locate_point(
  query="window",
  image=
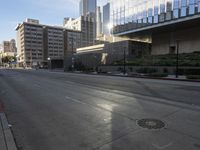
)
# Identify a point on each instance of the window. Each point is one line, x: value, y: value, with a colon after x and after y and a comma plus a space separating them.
x: 176, y: 13
x: 183, y: 11
x: 176, y: 9
x: 155, y: 19
x: 199, y: 6
x: 191, y: 7
x: 162, y: 6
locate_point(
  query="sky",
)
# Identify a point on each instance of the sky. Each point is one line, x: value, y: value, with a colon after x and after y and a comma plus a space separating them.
x: 49, y: 12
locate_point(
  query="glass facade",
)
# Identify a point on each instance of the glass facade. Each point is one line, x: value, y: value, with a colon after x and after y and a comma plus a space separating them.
x: 140, y: 13
x: 198, y: 6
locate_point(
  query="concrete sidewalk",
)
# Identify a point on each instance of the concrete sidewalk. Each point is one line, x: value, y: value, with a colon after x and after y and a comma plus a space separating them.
x: 6, y: 138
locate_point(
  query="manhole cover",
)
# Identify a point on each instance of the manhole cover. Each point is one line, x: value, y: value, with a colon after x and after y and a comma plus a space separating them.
x: 151, y: 123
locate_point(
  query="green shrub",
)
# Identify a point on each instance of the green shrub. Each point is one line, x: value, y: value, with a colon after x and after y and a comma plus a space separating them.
x: 194, y: 77
x: 158, y: 75
x: 146, y: 70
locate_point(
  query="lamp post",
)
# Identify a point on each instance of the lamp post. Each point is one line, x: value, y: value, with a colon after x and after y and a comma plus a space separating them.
x: 124, y: 61
x: 72, y: 44
x: 177, y: 58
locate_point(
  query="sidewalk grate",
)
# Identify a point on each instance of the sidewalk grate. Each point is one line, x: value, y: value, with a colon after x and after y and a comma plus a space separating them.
x: 151, y: 124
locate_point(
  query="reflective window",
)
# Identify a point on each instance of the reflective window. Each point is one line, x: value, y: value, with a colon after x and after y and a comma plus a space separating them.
x: 199, y: 6
x: 183, y: 11
x: 150, y: 20
x: 155, y: 19
x: 169, y: 6
x: 183, y: 3
x: 176, y: 4
x: 176, y: 13
x: 162, y: 6
x: 191, y: 9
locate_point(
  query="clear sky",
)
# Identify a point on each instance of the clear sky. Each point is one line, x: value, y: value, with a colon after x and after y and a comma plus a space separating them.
x: 47, y: 11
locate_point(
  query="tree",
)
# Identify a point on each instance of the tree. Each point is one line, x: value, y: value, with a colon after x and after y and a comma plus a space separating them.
x: 9, y: 59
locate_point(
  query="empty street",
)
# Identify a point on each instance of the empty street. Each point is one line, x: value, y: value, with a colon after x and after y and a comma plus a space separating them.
x: 67, y: 111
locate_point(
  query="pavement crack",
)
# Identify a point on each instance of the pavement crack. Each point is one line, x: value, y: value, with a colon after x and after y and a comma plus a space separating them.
x: 172, y: 113
x: 117, y: 138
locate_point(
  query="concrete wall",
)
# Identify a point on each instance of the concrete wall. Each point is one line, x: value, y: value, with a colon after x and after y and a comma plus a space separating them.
x: 189, y: 41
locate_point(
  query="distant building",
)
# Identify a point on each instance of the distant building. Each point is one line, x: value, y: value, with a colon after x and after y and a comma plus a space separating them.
x: 87, y: 6
x: 9, y: 48
x: 87, y: 27
x: 37, y: 43
x: 106, y: 19
x: 1, y: 48
x: 99, y: 21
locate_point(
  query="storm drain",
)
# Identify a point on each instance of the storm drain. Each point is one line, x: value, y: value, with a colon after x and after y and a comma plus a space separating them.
x: 151, y: 124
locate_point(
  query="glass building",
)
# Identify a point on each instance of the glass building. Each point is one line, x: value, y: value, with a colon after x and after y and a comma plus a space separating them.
x: 87, y: 6
x: 106, y: 19
x: 131, y: 14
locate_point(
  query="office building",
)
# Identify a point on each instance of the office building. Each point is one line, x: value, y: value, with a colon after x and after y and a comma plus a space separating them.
x: 38, y: 44
x: 165, y: 23
x: 87, y: 27
x: 106, y: 19
x: 30, y: 43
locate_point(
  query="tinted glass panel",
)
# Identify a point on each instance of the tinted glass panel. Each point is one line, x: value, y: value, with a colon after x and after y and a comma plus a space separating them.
x: 183, y: 11
x: 199, y: 6
x: 150, y: 20
x: 191, y: 9
x: 155, y: 19
x: 176, y: 13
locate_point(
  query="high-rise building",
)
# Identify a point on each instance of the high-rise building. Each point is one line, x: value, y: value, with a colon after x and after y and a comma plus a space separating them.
x: 87, y: 6
x: 99, y: 21
x: 106, y: 19
x: 37, y: 43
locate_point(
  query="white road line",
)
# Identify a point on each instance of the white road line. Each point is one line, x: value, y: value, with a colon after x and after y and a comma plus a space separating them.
x: 163, y: 146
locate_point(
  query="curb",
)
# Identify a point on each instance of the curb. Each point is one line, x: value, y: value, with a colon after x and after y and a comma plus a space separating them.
x: 141, y: 77
x: 7, y: 141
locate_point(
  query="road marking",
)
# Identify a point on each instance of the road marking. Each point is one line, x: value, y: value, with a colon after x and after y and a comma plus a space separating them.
x: 37, y: 85
x: 162, y: 147
x: 75, y: 100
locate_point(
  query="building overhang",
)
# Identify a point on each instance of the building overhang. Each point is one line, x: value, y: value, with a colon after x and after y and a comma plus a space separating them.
x: 173, y: 25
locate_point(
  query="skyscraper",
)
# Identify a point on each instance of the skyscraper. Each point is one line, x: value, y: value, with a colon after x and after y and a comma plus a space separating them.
x: 106, y: 18
x: 87, y: 6
x: 99, y: 21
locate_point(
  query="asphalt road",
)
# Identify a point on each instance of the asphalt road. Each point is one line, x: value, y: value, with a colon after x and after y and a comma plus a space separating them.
x: 65, y: 111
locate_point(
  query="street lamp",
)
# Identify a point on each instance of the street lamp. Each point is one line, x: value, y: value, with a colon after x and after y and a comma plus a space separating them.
x: 72, y: 44
x: 49, y: 61
x: 124, y: 61
x: 177, y: 58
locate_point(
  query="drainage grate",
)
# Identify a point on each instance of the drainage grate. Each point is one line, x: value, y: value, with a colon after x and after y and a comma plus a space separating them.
x: 151, y: 123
